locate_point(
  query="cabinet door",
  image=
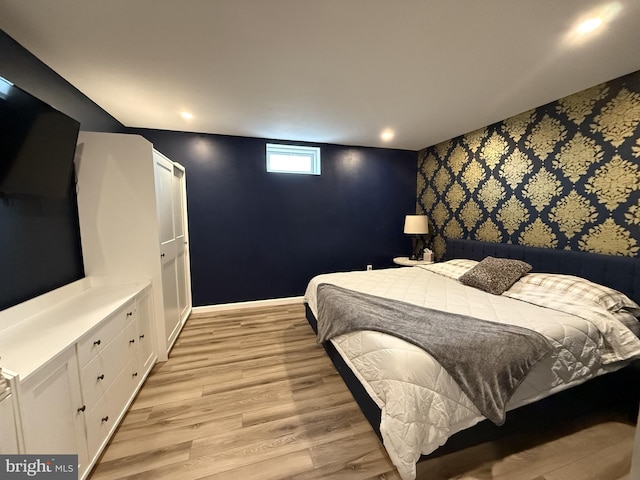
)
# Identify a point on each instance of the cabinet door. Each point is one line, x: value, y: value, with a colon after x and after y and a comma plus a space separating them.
x: 9, y: 437
x: 146, y: 335
x: 164, y: 201
x: 52, y: 410
x: 182, y: 248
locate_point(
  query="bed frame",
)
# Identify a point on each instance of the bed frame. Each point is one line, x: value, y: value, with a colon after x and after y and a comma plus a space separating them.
x: 615, y: 389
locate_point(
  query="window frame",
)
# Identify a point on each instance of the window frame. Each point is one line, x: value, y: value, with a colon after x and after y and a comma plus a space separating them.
x: 312, y: 153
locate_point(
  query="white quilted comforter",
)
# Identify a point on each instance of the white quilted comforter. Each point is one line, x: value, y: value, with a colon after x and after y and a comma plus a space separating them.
x: 421, y: 404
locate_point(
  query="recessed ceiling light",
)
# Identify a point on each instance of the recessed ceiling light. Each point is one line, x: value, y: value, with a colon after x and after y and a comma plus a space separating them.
x: 590, y: 25
x: 387, y: 135
x: 186, y: 115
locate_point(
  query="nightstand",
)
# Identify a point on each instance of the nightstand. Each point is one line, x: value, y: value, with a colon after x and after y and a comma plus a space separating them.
x: 404, y: 261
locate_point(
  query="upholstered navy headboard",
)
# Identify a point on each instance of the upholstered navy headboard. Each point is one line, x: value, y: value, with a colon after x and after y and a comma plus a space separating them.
x: 621, y: 273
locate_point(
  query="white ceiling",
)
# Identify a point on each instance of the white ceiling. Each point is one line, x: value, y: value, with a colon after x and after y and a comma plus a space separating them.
x: 335, y: 71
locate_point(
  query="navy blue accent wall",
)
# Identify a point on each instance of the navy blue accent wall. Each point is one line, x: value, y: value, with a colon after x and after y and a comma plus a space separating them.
x: 257, y: 235
x: 40, y: 246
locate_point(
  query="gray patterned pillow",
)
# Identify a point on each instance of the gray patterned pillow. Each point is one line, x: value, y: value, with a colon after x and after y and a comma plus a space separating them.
x: 495, y: 275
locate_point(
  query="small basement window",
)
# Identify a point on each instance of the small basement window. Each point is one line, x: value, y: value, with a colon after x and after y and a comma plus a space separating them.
x: 293, y: 159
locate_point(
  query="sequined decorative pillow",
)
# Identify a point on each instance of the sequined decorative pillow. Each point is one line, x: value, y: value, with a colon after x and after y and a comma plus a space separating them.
x: 495, y: 275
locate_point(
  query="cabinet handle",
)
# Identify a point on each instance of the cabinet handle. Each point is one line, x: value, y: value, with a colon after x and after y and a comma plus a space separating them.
x: 129, y: 314
x: 133, y: 340
x: 82, y: 408
x: 162, y: 255
x: 105, y: 419
x: 101, y: 377
x: 141, y: 336
x: 135, y: 374
x: 97, y: 342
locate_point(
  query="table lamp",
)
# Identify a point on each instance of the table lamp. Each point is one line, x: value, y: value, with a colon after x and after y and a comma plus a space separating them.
x: 417, y: 226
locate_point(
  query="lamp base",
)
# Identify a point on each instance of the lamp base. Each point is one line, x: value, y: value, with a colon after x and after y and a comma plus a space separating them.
x: 416, y: 248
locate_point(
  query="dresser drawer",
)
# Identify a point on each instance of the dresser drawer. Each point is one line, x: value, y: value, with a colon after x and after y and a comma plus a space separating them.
x: 97, y: 339
x: 100, y: 373
x: 100, y: 421
x: 104, y: 416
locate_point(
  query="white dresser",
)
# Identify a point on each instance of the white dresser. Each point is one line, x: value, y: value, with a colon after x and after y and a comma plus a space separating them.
x: 80, y: 353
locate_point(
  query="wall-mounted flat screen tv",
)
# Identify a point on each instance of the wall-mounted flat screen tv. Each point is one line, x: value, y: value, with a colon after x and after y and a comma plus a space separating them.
x: 37, y: 145
x: 40, y: 247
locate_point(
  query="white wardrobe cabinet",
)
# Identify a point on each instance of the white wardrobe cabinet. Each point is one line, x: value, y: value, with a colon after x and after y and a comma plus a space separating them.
x: 133, y: 221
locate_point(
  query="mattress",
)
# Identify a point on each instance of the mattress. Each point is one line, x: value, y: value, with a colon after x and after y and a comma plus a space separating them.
x: 421, y: 405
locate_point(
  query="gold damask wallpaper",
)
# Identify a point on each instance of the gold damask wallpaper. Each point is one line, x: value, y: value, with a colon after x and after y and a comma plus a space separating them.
x: 564, y: 176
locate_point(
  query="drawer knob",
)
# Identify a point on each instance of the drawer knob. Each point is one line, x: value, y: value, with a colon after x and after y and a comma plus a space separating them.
x: 97, y: 342
x: 141, y: 336
x: 135, y: 374
x: 129, y: 314
x: 82, y: 408
x: 105, y: 419
x: 101, y: 377
x: 133, y: 340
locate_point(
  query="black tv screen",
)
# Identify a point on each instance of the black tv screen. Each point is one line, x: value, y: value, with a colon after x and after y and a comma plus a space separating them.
x: 37, y: 145
x: 40, y: 248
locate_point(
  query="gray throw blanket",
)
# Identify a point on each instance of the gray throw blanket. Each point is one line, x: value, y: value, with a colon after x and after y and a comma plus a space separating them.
x: 488, y: 360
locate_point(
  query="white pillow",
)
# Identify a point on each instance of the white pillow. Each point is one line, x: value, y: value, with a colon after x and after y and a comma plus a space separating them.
x: 608, y: 298
x: 451, y: 268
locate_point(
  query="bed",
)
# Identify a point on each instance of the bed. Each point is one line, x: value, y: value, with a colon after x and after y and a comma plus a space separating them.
x: 422, y: 406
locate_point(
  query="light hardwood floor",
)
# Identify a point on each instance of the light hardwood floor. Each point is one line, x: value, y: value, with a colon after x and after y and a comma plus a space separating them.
x: 247, y: 394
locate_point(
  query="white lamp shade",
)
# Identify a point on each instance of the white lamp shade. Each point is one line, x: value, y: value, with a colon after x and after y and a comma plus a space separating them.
x: 416, y: 225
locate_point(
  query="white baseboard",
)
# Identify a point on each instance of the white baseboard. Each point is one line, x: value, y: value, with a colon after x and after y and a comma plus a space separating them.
x: 272, y: 302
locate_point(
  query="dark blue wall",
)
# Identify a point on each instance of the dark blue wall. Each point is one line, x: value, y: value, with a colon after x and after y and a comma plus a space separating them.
x: 257, y: 235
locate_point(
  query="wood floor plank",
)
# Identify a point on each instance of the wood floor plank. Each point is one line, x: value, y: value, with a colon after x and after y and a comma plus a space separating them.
x: 285, y: 409
x: 267, y: 441
x: 344, y: 450
x: 275, y: 468
x: 248, y: 394
x: 566, y: 450
x: 302, y: 378
x: 122, y: 467
x: 189, y: 416
x: 314, y: 423
x: 201, y: 467
x: 136, y: 416
x: 123, y: 447
x: 533, y: 457
x: 147, y: 398
x: 363, y: 468
x: 613, y: 461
